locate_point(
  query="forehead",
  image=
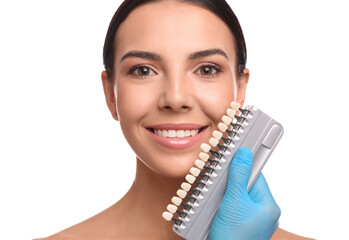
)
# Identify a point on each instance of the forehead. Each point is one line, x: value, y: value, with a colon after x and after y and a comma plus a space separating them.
x: 169, y: 27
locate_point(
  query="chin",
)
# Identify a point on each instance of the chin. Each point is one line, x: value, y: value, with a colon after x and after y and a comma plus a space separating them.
x: 175, y: 172
x: 173, y: 168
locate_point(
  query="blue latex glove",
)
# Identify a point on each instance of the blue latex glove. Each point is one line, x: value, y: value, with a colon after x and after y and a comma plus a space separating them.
x: 244, y: 215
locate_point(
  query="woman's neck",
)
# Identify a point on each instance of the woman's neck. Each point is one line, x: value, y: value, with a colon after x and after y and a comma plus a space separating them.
x: 148, y: 198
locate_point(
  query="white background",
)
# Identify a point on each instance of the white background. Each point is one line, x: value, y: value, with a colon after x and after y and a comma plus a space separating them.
x: 63, y: 158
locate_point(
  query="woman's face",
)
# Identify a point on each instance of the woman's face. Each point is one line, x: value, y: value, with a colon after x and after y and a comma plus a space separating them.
x: 174, y: 77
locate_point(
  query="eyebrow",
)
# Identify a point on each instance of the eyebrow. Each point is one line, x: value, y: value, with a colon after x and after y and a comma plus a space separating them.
x: 142, y: 54
x: 208, y: 52
x: 157, y: 57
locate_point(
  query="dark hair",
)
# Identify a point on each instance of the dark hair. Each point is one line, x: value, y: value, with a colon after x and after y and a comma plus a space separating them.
x: 220, y: 7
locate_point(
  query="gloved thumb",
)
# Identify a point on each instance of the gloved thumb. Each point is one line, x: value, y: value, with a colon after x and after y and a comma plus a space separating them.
x: 240, y: 170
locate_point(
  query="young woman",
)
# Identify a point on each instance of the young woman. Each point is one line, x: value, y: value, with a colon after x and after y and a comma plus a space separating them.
x: 172, y: 69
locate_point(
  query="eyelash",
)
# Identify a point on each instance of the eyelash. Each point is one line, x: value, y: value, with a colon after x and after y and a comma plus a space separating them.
x: 133, y: 69
x: 216, y: 68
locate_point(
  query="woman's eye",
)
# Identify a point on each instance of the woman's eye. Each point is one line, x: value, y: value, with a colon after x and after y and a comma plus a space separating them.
x: 208, y: 70
x: 142, y: 71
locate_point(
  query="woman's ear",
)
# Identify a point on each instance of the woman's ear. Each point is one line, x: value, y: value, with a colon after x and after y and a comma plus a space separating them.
x: 241, y: 87
x: 110, y: 98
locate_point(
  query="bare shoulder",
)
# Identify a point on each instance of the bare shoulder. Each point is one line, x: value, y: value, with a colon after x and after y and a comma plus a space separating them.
x: 80, y: 231
x: 99, y: 227
x: 72, y: 233
x: 281, y: 234
x: 53, y: 237
x: 63, y: 236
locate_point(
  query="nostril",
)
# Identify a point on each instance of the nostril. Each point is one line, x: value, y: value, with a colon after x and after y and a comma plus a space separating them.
x: 171, y: 108
x: 176, y: 100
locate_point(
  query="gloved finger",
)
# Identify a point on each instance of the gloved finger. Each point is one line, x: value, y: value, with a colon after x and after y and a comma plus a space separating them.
x: 260, y: 194
x: 260, y: 191
x: 240, y: 170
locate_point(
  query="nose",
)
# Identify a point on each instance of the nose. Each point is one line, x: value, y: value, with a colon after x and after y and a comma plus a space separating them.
x: 177, y: 93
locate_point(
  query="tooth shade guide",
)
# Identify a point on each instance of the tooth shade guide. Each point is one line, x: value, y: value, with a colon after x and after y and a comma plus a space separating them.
x: 195, y: 171
x: 185, y: 207
x: 205, y: 147
x: 217, y: 134
x: 201, y: 175
x: 176, y: 201
x: 190, y: 178
x: 231, y: 113
x: 185, y: 186
x: 172, y: 208
x: 199, y: 206
x: 201, y: 180
x: 226, y: 120
x: 222, y: 127
x: 199, y: 163
x: 181, y: 214
x: 181, y: 193
x: 167, y: 216
x: 203, y: 156
x: 213, y: 142
x: 199, y: 185
x: 235, y: 106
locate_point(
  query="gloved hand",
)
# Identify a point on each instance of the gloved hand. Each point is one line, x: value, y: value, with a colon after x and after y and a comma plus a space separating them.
x: 244, y: 215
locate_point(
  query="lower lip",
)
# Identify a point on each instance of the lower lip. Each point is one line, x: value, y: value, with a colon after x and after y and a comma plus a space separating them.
x: 179, y: 143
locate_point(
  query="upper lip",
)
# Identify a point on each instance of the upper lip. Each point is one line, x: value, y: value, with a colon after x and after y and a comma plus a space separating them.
x: 177, y: 126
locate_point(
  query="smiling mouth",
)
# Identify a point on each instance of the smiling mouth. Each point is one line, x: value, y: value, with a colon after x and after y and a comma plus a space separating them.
x: 176, y: 134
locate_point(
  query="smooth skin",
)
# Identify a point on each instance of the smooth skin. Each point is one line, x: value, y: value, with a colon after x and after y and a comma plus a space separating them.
x: 170, y: 88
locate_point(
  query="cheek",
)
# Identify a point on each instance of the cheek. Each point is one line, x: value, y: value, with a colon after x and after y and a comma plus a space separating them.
x: 133, y: 101
x: 216, y: 98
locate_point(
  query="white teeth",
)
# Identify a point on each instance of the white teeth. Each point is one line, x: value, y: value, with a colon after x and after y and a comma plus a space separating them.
x: 203, y: 156
x: 190, y: 178
x: 234, y: 105
x: 176, y: 133
x: 171, y: 133
x: 172, y: 208
x: 205, y: 147
x: 181, y: 193
x: 176, y: 201
x: 167, y: 216
x: 213, y: 142
x: 222, y: 127
x: 227, y: 120
x: 185, y: 186
x: 231, y: 113
x: 180, y: 133
x: 195, y: 171
x: 217, y: 134
x: 199, y: 163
